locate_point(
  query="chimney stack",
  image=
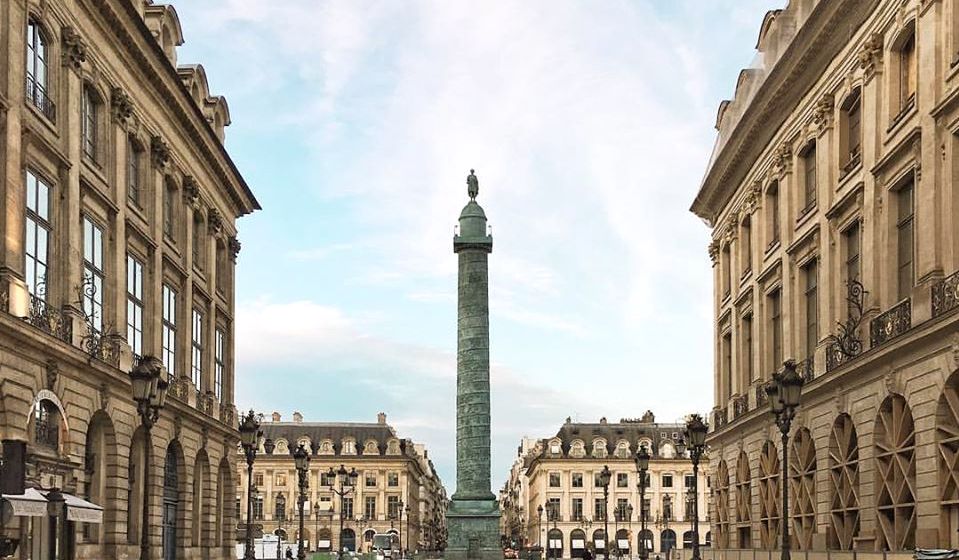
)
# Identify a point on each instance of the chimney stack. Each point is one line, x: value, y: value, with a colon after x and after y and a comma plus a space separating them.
x: 381, y: 418
x: 297, y: 417
x: 602, y: 420
x: 276, y: 416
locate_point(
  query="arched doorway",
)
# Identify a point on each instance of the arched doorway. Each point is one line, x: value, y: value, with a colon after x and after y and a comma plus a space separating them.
x: 645, y: 541
x: 554, y: 539
x: 171, y: 502
x: 324, y: 540
x: 368, y: 539
x: 577, y: 543
x: 348, y: 540
x: 708, y: 542
x: 895, y: 448
x: 622, y: 542
x: 101, y: 469
x: 688, y: 539
x: 667, y: 541
x: 599, y: 541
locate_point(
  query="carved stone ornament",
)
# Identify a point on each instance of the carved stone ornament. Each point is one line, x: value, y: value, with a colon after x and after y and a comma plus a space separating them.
x: 870, y: 57
x: 714, y: 251
x: 917, y: 157
x: 74, y: 50
x: 191, y: 191
x: 121, y: 104
x: 234, y: 246
x: 891, y: 381
x: 751, y: 201
x: 729, y: 234
x: 822, y: 116
x: 5, y: 298
x: 782, y: 160
x: 52, y: 373
x: 159, y: 151
x: 177, y: 426
x: 214, y: 222
x: 841, y: 401
x: 104, y: 396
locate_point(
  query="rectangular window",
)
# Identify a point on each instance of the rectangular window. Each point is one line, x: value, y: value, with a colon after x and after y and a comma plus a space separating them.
x: 347, y: 507
x: 905, y: 226
x: 772, y: 196
x: 133, y: 172
x: 554, y: 480
x: 37, y: 235
x: 197, y: 245
x: 747, y: 335
x: 258, y: 508
x: 169, y: 211
x: 688, y: 480
x: 809, y: 177
x: 621, y: 512
x: 907, y: 72
x: 393, y: 479
x: 747, y: 245
x: 552, y: 509
x: 577, y: 479
x: 326, y: 479
x: 258, y: 479
x: 370, y: 508
x: 597, y: 480
x: 667, y: 481
x: 852, y: 249
x: 811, y: 275
x: 854, y: 127
x: 135, y: 304
x: 196, y: 350
x: 776, y: 328
x: 169, y: 330
x: 393, y: 507
x: 370, y: 479
x: 577, y: 509
x: 88, y: 123
x: 726, y: 270
x: 93, y: 274
x: 36, y: 65
x: 599, y: 509
x: 727, y: 363
x: 622, y: 480
x: 219, y: 365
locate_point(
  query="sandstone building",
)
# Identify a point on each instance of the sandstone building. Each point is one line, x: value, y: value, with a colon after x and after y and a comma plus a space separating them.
x: 833, y: 197
x: 118, y: 214
x: 560, y: 474
x: 396, y: 489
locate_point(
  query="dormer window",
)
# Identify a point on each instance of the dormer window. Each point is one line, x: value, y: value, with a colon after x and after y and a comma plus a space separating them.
x: 555, y: 448
x: 349, y: 447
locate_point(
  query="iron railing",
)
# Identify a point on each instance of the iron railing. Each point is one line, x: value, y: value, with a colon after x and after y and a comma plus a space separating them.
x: 807, y: 369
x: 890, y: 324
x: 720, y: 418
x: 49, y: 319
x: 945, y: 295
x: 740, y: 406
x: 762, y: 399
x: 46, y: 432
x: 37, y: 96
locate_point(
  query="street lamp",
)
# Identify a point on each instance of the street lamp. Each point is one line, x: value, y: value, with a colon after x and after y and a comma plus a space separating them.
x: 642, y: 467
x: 249, y: 438
x: 398, y: 512
x: 149, y: 392
x: 302, y: 461
x: 407, y: 509
x: 539, y: 524
x: 341, y: 475
x: 784, y: 391
x: 629, y: 522
x: 604, y: 476
x: 696, y: 436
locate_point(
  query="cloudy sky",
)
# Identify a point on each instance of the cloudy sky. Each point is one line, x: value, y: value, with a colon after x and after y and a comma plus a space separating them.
x: 589, y: 124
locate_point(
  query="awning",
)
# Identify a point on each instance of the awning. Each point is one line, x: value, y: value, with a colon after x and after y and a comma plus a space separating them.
x: 81, y: 510
x: 29, y: 504
x: 935, y: 554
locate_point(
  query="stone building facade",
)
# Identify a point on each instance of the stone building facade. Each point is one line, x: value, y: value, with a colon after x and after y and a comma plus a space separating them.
x: 118, y: 214
x: 397, y: 488
x: 833, y: 199
x: 559, y: 474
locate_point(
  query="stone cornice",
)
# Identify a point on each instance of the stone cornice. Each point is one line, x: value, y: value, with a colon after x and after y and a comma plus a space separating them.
x: 132, y: 33
x: 817, y: 43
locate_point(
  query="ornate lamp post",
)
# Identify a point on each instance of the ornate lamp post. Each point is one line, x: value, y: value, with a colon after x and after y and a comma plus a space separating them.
x: 784, y: 391
x: 604, y: 476
x: 149, y: 392
x: 696, y: 437
x: 539, y: 523
x: 302, y: 461
x: 249, y: 438
x: 341, y: 475
x: 407, y: 510
x: 629, y: 521
x: 642, y: 467
x: 393, y: 515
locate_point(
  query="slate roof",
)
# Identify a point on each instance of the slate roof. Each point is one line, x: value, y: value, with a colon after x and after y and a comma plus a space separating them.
x: 336, y: 431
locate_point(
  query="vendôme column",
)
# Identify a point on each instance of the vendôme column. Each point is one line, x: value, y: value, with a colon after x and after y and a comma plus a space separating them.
x: 473, y: 515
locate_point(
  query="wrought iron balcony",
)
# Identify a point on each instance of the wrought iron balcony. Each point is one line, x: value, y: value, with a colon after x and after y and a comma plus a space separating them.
x: 807, y: 369
x: 762, y: 399
x: 719, y: 417
x: 37, y: 96
x: 945, y: 295
x: 890, y: 324
x: 846, y: 343
x: 49, y: 319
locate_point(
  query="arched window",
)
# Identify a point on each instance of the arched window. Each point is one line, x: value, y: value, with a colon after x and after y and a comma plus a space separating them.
x: 947, y: 434
x: 225, y: 493
x: 201, y: 494
x: 895, y: 437
x: 599, y: 448
x: 743, y: 502
x: 802, y: 485
x: 843, y: 484
x: 769, y: 496
x: 667, y: 541
x: 36, y: 93
x: 171, y: 503
x: 722, y: 504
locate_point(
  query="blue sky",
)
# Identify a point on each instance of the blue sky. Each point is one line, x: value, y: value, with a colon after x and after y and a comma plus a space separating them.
x: 589, y: 125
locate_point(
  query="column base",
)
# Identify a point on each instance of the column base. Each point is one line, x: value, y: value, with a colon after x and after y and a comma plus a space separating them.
x: 473, y: 527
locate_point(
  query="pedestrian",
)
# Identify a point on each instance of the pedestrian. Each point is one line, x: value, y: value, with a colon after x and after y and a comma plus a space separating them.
x: 587, y: 555
x: 289, y: 553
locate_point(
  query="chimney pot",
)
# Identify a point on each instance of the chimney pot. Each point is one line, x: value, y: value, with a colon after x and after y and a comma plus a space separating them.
x: 297, y: 417
x: 276, y: 416
x: 381, y: 418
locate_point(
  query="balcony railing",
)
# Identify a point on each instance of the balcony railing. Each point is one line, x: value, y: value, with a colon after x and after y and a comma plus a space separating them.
x: 740, y: 406
x: 719, y: 417
x: 890, y: 324
x: 855, y: 157
x: 806, y: 369
x: 762, y: 399
x: 37, y: 96
x: 945, y: 295
x: 49, y: 319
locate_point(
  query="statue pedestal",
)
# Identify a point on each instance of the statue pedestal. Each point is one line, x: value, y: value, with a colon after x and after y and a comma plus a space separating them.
x: 473, y: 528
